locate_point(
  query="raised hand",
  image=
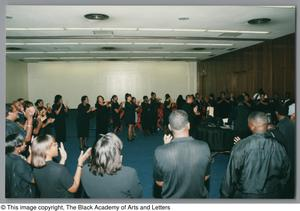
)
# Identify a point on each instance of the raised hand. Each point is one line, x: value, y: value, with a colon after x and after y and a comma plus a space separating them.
x: 236, y: 140
x: 84, y: 156
x: 63, y: 153
x: 168, y: 138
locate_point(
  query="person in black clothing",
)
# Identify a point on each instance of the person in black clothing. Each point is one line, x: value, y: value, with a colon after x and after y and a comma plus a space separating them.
x: 223, y: 106
x: 44, y: 118
x: 146, y: 115
x: 192, y: 110
x: 262, y: 104
x: 105, y: 176
x: 83, y: 121
x: 53, y: 179
x: 288, y: 130
x: 258, y: 166
x: 167, y: 111
x: 60, y: 110
x: 154, y: 104
x: 129, y: 116
x: 180, y: 102
x: 240, y: 118
x: 181, y: 165
x: 247, y: 100
x: 11, y: 127
x: 116, y: 110
x: 19, y: 182
x: 102, y: 116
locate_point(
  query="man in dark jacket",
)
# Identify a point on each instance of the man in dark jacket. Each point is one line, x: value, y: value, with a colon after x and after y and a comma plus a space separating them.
x: 258, y: 166
x: 181, y: 165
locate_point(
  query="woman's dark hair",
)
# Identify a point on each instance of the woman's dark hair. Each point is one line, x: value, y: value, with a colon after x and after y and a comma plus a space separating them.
x: 167, y: 96
x: 106, y: 155
x: 12, y: 141
x: 98, y: 98
x: 145, y: 97
x: 127, y: 95
x: 37, y: 102
x: 83, y: 98
x: 113, y: 97
x: 8, y: 108
x: 57, y: 98
x: 27, y: 104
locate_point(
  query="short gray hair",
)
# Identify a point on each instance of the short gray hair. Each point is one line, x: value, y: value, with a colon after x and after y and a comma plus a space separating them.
x: 106, y: 155
x: 178, y: 120
x: 258, y: 117
x: 39, y: 148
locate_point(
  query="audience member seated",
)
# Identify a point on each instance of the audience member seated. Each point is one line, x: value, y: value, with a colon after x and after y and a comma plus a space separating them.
x: 19, y: 182
x: 181, y: 164
x: 105, y: 176
x: 53, y: 179
x: 258, y: 167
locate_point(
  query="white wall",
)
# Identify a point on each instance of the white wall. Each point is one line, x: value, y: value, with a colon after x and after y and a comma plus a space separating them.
x: 16, y: 80
x: 75, y: 79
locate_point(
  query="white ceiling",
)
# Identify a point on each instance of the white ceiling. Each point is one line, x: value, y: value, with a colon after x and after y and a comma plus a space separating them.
x: 136, y: 31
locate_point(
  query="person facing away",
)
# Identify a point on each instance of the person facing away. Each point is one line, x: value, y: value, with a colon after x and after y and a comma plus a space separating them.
x: 239, y: 117
x: 53, y: 179
x: 105, y: 176
x: 181, y: 165
x: 19, y: 182
x: 258, y: 166
x: 288, y: 130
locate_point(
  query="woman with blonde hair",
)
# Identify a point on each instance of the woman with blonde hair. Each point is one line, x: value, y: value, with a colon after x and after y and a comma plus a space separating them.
x: 105, y: 176
x: 53, y: 179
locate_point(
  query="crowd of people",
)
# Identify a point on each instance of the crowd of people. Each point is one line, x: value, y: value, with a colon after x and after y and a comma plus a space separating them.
x: 261, y: 163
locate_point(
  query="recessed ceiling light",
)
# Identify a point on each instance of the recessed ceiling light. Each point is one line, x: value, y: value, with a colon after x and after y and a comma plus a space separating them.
x: 14, y: 48
x: 259, y: 21
x: 108, y: 48
x: 96, y: 16
x: 183, y: 18
x: 198, y: 49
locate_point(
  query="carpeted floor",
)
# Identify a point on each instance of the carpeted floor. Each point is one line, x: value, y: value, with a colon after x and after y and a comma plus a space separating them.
x: 139, y: 155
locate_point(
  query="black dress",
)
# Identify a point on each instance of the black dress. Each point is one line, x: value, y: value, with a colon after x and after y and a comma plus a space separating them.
x: 167, y: 112
x: 146, y: 116
x: 59, y: 123
x: 83, y: 120
x: 115, y: 115
x: 154, y: 106
x: 102, y: 119
x: 129, y: 117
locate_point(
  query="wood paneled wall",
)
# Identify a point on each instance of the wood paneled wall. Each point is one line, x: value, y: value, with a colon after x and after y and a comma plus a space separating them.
x: 269, y: 65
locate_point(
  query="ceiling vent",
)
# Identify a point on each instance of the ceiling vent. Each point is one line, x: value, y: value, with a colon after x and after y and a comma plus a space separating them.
x: 96, y: 16
x: 257, y: 21
x: 230, y: 34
